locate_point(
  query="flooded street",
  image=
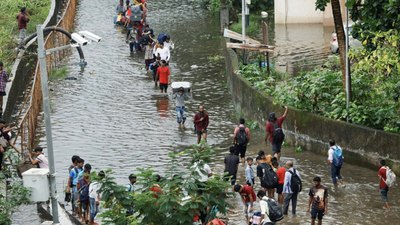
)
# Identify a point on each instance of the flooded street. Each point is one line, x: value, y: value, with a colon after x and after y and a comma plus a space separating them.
x: 113, y: 117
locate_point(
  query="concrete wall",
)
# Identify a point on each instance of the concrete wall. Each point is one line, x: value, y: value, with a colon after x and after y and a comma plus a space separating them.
x: 362, y: 145
x: 303, y: 11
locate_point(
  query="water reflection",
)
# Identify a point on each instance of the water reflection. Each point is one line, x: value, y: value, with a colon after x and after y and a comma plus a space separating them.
x: 162, y: 105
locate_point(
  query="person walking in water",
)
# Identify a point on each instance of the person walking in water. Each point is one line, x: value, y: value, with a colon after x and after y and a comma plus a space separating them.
x: 23, y: 21
x: 241, y: 137
x: 335, y: 159
x: 231, y: 165
x: 274, y: 132
x: 383, y: 187
x: 248, y: 198
x: 201, y: 123
x: 318, y: 201
x: 3, y: 82
x: 163, y: 76
x: 288, y: 192
x: 180, y: 97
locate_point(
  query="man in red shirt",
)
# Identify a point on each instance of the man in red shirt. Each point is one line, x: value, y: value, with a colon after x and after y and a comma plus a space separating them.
x: 272, y: 124
x: 162, y: 75
x: 384, y: 189
x: 23, y: 20
x: 201, y: 123
x: 248, y: 198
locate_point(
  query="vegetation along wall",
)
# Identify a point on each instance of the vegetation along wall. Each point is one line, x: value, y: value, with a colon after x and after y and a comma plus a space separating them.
x: 361, y: 145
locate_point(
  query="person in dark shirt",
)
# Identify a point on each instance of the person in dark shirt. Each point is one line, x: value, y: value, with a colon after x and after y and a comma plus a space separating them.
x: 231, y: 164
x: 201, y: 123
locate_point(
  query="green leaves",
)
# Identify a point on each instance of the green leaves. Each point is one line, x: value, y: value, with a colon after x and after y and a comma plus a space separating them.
x: 17, y: 195
x: 173, y: 200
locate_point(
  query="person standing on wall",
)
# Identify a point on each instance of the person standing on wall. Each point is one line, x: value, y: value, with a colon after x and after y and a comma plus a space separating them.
x: 201, y: 123
x: 275, y: 133
x: 241, y: 137
x: 335, y: 159
x: 3, y: 82
x: 23, y: 21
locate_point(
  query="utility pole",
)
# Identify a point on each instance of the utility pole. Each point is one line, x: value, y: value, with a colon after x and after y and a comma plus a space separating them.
x: 244, y: 29
x: 46, y: 109
x: 348, y: 77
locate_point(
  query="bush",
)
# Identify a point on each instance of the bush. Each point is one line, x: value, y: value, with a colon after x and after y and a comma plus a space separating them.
x: 181, y: 198
x: 375, y: 86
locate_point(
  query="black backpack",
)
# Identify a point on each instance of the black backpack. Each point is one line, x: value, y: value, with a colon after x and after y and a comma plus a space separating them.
x: 274, y: 210
x: 295, y: 182
x: 241, y: 136
x: 278, y: 135
x: 269, y: 179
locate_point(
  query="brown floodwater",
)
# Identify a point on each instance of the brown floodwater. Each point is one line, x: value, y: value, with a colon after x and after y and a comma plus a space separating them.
x: 113, y: 117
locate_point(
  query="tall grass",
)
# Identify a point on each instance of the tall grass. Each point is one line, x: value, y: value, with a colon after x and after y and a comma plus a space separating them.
x: 37, y: 10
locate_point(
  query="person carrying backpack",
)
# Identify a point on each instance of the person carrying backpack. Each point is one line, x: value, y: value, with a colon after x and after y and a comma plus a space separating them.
x: 291, y: 187
x: 383, y: 173
x: 271, y: 212
x: 335, y: 159
x: 72, y: 184
x: 266, y: 174
x: 275, y: 133
x: 84, y: 196
x: 241, y: 137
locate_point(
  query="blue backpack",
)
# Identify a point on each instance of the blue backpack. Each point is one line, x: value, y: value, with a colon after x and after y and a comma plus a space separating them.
x: 84, y: 191
x: 337, y: 156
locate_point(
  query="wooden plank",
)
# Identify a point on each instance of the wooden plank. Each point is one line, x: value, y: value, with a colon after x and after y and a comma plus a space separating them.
x: 252, y: 47
x: 231, y: 34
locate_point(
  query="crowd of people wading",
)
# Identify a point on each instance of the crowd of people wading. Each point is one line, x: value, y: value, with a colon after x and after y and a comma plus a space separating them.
x: 279, y: 183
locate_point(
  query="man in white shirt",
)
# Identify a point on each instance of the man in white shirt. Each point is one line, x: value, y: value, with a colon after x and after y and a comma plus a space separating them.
x: 163, y: 52
x: 94, y: 197
x: 40, y: 159
x: 264, y: 208
x: 203, y: 172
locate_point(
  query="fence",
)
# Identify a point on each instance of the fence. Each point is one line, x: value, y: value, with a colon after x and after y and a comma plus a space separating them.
x: 31, y: 108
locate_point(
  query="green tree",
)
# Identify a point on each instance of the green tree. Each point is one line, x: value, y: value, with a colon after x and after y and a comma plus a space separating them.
x: 373, y: 16
x: 180, y: 195
x: 337, y: 19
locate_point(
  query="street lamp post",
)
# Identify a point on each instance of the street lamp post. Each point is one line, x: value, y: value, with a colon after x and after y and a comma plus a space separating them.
x: 46, y: 109
x: 348, y: 77
x: 80, y: 40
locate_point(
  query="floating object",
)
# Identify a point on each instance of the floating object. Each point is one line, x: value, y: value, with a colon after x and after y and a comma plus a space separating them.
x: 194, y: 66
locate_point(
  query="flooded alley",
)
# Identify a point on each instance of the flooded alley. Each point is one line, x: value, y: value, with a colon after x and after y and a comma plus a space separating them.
x: 113, y: 117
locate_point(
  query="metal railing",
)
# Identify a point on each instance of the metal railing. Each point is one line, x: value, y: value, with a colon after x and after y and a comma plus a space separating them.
x: 30, y: 111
